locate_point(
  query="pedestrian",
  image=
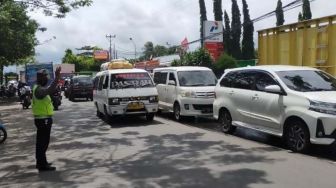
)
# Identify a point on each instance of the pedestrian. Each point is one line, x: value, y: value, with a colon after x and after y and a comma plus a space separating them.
x: 43, y: 111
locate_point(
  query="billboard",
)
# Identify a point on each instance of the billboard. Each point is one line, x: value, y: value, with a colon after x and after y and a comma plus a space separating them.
x: 32, y: 69
x: 101, y: 55
x: 215, y: 49
x: 213, y: 31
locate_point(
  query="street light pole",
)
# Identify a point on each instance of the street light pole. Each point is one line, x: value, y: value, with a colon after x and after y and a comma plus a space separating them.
x: 131, y: 39
x: 110, y: 39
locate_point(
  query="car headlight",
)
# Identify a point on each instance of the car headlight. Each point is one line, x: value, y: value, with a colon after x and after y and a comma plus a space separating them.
x: 191, y: 94
x: 322, y: 107
x: 153, y: 99
x: 113, y: 101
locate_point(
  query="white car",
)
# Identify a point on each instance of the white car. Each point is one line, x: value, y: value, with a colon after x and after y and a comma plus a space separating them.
x: 187, y: 91
x: 296, y: 103
x: 121, y: 92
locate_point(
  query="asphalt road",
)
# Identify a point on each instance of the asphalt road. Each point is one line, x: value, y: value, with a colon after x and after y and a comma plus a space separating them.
x: 131, y: 152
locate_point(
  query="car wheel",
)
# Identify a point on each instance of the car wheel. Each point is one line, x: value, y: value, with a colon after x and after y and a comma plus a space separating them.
x: 225, y: 121
x: 107, y: 117
x: 150, y: 117
x: 297, y: 136
x: 3, y: 135
x: 177, y: 112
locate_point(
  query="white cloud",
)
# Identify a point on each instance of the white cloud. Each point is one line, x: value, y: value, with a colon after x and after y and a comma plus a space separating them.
x: 159, y: 21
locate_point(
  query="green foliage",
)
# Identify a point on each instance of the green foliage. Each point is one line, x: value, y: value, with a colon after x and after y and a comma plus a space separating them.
x: 300, y: 17
x: 225, y: 61
x: 227, y: 34
x: 82, y: 63
x: 199, y: 57
x: 203, y: 17
x: 57, y: 8
x: 17, y: 33
x: 156, y: 51
x: 235, y: 30
x: 218, y: 12
x: 306, y: 12
x: 279, y: 14
x: 247, y: 43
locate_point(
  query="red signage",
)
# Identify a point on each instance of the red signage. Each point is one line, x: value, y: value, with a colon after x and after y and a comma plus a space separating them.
x: 101, y: 55
x: 215, y: 49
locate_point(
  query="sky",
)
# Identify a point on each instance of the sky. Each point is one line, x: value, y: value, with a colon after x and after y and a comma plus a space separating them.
x: 159, y: 21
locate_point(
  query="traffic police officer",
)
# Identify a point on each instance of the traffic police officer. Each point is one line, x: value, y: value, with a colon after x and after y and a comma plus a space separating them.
x: 43, y: 111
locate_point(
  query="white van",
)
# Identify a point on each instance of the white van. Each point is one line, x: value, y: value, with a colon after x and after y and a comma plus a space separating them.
x: 125, y: 92
x: 186, y: 91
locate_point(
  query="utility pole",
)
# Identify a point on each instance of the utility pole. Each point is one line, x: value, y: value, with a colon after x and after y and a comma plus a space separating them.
x: 109, y: 37
x: 131, y: 39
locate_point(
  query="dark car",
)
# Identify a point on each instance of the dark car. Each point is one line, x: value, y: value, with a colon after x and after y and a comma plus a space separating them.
x: 80, y: 87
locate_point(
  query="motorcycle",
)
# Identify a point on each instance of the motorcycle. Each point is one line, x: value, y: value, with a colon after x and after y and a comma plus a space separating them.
x: 26, y: 96
x: 10, y: 91
x: 57, y: 98
x: 3, y: 133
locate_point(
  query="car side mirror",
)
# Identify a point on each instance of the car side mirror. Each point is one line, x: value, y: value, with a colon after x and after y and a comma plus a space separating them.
x: 172, y: 82
x: 274, y: 89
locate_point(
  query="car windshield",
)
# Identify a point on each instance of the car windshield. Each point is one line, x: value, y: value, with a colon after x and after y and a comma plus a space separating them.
x: 83, y: 81
x: 308, y: 80
x: 197, y: 78
x: 131, y: 80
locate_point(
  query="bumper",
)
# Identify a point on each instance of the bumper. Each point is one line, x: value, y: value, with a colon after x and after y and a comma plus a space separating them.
x: 81, y: 93
x: 122, y: 109
x: 196, y: 107
x: 322, y: 127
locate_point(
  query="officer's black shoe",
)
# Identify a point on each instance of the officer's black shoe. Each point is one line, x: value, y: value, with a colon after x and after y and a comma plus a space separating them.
x: 46, y: 168
x: 48, y: 164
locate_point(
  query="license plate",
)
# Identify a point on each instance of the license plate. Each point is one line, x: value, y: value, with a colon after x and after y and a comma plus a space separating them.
x: 135, y: 106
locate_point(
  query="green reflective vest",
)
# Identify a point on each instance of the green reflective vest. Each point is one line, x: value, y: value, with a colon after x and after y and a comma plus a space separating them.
x: 42, y: 108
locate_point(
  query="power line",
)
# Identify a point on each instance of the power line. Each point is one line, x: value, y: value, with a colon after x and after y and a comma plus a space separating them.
x: 286, y: 8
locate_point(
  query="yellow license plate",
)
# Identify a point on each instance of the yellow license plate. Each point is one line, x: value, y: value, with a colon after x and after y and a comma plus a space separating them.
x: 135, y: 106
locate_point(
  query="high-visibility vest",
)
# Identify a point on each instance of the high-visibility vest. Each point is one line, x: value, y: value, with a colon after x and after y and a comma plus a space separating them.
x: 42, y: 108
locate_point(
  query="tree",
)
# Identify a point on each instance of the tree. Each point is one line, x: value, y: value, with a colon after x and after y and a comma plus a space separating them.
x: 57, y: 8
x: 199, y: 57
x: 218, y: 12
x: 247, y: 43
x: 300, y: 17
x: 279, y: 14
x: 225, y: 61
x: 227, y: 34
x: 306, y: 12
x: 160, y: 50
x: 235, y: 30
x: 203, y: 17
x: 17, y: 33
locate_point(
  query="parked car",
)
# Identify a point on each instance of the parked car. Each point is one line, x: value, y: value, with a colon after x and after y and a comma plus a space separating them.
x: 296, y: 103
x: 187, y: 91
x: 80, y: 87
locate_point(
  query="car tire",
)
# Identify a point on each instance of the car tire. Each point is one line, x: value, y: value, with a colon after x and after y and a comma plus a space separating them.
x: 107, y: 117
x: 297, y: 136
x: 177, y: 112
x: 3, y: 135
x: 225, y: 121
x: 150, y: 116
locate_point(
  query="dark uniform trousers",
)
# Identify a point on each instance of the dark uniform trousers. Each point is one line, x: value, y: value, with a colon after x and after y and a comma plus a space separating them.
x: 42, y: 140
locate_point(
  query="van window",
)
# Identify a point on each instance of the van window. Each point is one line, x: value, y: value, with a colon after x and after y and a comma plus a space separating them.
x: 263, y: 80
x: 160, y: 77
x: 95, y: 83
x: 105, y: 86
x: 244, y: 80
x: 131, y: 80
x: 228, y: 79
x: 172, y: 77
x: 101, y: 81
x: 196, y: 78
